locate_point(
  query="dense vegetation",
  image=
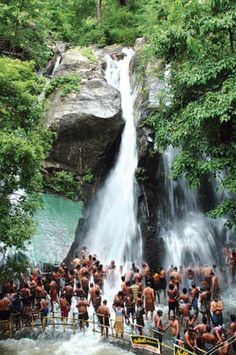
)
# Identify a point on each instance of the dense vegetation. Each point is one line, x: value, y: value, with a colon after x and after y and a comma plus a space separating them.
x: 194, y: 39
x: 196, y: 42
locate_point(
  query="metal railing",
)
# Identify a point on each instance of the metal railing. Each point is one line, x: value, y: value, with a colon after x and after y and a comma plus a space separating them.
x: 36, y: 319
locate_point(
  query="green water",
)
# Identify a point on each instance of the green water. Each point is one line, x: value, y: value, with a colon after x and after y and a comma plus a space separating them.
x: 56, y: 224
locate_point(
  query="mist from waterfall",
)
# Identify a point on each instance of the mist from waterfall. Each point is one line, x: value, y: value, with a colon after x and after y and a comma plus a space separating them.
x: 190, y: 237
x: 114, y: 233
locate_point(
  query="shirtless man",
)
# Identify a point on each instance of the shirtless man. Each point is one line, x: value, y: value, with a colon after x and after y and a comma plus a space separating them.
x: 172, y: 299
x: 174, y: 326
x: 104, y: 313
x: 76, y: 261
x: 175, y: 276
x: 149, y: 297
x: 85, y: 285
x: 129, y: 276
x: 217, y: 309
x: 215, y: 289
x: 53, y: 292
x: 40, y: 292
x: 190, y: 339
x: 65, y: 306
x: 208, y: 339
x: 224, y: 348
x: 200, y: 329
x: 206, y: 272
x: 26, y: 295
x: 5, y: 312
x: 83, y: 271
x: 162, y: 276
x: 93, y: 295
x: 137, y: 276
x: 158, y: 325
x: 82, y: 306
x: 184, y: 307
x: 43, y: 309
x: 190, y: 274
x: 127, y: 289
x: 68, y: 291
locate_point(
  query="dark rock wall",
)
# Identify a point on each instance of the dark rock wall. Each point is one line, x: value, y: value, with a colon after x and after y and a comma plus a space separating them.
x: 150, y: 165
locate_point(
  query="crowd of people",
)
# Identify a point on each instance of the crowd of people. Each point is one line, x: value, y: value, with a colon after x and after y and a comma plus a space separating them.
x: 181, y: 304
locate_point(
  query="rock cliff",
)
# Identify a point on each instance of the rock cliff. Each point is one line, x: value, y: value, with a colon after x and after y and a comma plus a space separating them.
x: 88, y: 124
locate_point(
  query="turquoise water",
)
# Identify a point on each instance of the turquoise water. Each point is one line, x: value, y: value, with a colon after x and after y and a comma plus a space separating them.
x: 56, y: 220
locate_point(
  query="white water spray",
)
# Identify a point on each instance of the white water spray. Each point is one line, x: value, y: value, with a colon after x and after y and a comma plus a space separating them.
x: 190, y: 237
x: 114, y: 232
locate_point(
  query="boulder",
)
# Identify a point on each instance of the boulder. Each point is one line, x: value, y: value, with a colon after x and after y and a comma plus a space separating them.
x: 88, y: 124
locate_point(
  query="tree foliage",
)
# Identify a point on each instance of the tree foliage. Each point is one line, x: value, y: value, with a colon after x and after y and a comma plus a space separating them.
x: 24, y: 143
x: 196, y: 40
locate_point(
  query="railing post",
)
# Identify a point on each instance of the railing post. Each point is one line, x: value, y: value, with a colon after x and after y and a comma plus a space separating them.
x: 94, y: 326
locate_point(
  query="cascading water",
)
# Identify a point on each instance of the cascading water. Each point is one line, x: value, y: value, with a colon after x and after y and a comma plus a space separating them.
x: 190, y: 237
x: 114, y: 232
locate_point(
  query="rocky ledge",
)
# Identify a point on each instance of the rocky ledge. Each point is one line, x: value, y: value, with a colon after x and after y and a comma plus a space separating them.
x: 88, y: 124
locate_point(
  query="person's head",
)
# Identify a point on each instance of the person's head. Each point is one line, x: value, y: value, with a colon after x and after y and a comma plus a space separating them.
x: 159, y: 312
x: 232, y: 317
x: 104, y: 302
x: 172, y: 318
x: 91, y: 284
x: 78, y: 285
x: 175, y: 268
x: 171, y: 286
x: 185, y: 291
x: 148, y: 283
x: 123, y: 278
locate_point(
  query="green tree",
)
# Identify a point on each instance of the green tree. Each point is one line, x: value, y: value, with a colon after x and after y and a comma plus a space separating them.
x: 198, y: 108
x: 24, y: 144
x: 24, y: 30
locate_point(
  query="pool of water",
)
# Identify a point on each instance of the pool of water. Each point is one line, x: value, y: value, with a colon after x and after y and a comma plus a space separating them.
x: 56, y: 221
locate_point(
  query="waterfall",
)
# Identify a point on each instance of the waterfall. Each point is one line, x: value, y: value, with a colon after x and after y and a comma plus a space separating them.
x: 189, y: 236
x: 113, y: 233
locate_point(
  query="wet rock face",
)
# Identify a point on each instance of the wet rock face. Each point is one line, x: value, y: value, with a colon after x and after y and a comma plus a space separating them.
x: 150, y: 168
x: 88, y: 124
